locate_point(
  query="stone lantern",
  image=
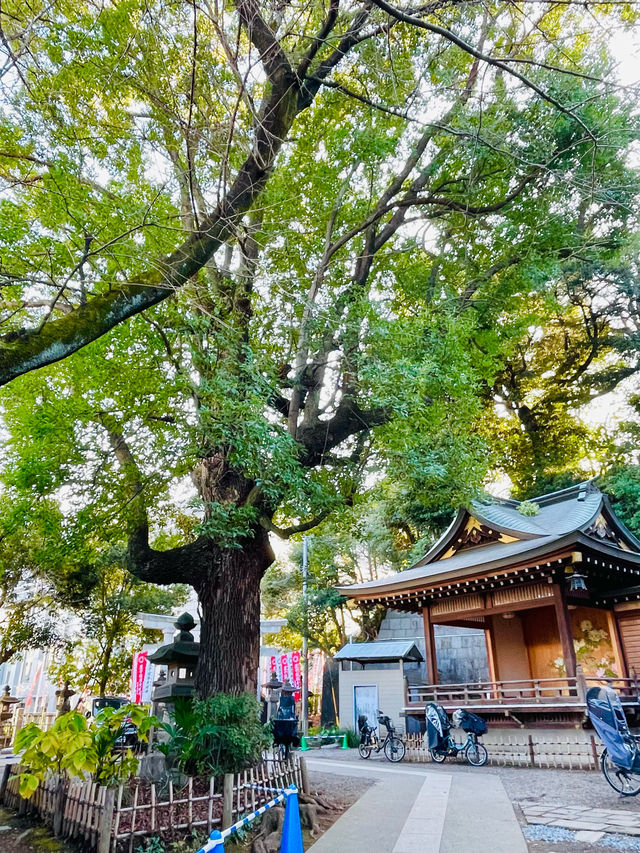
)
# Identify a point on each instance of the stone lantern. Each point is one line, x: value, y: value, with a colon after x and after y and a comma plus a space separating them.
x: 6, y: 716
x: 63, y: 697
x: 180, y: 657
x: 273, y: 687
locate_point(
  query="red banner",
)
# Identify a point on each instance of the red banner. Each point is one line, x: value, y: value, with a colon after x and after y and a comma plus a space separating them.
x: 140, y: 678
x: 296, y: 678
x: 284, y: 664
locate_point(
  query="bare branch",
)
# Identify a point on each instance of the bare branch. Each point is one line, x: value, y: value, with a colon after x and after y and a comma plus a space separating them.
x: 400, y: 15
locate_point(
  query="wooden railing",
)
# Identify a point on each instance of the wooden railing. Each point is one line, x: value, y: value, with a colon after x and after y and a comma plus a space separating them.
x: 566, y: 692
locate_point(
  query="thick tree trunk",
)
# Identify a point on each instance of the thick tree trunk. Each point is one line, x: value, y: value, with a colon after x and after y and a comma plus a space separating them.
x: 229, y: 597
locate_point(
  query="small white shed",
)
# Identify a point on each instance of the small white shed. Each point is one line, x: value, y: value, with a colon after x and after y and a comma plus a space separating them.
x: 372, y: 678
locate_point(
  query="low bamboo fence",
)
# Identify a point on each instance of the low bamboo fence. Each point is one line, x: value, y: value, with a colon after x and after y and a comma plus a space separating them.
x: 114, y: 820
x: 571, y: 751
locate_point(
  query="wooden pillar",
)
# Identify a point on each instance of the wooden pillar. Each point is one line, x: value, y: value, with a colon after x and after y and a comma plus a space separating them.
x: 564, y: 629
x: 616, y: 645
x: 430, y: 646
x: 491, y: 649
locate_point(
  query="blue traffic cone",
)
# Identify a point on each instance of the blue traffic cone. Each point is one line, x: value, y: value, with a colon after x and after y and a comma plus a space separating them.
x: 291, y: 829
x: 215, y: 842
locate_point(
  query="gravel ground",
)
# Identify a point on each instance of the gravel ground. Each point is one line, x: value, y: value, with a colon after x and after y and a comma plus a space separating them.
x: 547, y: 839
x: 341, y: 790
x: 534, y: 785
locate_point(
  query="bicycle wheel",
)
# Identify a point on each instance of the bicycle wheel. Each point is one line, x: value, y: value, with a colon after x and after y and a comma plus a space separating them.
x: 364, y: 749
x: 394, y: 749
x: 476, y: 754
x: 438, y: 756
x: 625, y: 782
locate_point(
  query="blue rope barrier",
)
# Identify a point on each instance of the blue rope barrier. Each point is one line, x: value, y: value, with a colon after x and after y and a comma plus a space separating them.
x: 255, y: 787
x: 290, y: 842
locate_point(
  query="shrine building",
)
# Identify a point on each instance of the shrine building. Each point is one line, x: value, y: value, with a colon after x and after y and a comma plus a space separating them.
x: 554, y: 583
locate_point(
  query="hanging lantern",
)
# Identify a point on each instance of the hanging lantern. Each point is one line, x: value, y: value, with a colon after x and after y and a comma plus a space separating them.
x: 577, y: 582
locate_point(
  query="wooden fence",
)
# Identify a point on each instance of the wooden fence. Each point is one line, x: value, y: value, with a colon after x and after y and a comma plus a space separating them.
x: 118, y: 819
x: 571, y: 751
x: 76, y: 810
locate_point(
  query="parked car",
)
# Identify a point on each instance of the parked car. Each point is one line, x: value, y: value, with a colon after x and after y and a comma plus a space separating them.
x: 98, y: 703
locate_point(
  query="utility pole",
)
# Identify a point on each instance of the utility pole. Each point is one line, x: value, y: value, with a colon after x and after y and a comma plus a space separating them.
x: 305, y: 631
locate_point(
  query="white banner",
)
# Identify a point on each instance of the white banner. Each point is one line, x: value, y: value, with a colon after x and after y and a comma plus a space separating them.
x: 141, y: 679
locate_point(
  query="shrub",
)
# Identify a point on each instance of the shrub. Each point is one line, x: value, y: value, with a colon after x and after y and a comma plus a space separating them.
x: 528, y: 508
x: 353, y: 739
x: 222, y: 734
x: 73, y: 747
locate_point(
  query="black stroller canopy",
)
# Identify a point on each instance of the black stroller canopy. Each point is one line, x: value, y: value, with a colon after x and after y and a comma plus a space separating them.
x: 438, y: 725
x: 607, y: 715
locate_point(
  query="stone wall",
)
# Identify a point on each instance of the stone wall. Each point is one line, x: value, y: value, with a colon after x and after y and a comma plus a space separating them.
x: 461, y: 653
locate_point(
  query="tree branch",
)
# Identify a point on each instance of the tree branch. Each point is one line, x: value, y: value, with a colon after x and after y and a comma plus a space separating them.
x: 177, y: 565
x: 28, y: 349
x: 400, y: 15
x: 349, y: 419
x: 319, y: 40
x: 288, y: 532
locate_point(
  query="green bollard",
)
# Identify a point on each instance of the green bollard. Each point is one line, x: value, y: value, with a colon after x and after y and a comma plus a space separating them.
x: 303, y: 744
x: 344, y: 741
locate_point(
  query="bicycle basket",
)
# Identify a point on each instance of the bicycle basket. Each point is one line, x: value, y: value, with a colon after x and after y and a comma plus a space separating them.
x: 468, y: 722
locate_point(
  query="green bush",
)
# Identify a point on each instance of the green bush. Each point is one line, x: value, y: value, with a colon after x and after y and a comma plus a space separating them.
x: 222, y: 734
x: 72, y: 747
x: 353, y: 738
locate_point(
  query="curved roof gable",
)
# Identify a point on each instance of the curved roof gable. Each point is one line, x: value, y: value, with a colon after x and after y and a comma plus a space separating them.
x: 498, y: 522
x: 560, y: 512
x: 493, y: 536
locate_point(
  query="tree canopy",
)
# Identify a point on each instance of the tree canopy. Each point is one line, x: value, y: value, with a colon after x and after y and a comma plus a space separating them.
x: 340, y: 237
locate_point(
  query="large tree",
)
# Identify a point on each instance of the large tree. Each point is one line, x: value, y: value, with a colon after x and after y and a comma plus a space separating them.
x: 91, y: 92
x: 341, y: 203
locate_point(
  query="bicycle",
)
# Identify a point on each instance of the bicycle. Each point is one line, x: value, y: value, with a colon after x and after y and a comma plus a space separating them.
x: 625, y: 782
x: 475, y: 753
x: 620, y: 759
x: 392, y: 745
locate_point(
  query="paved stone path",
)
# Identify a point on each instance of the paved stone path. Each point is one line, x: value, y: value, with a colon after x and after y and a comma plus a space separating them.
x: 584, y: 819
x: 412, y: 810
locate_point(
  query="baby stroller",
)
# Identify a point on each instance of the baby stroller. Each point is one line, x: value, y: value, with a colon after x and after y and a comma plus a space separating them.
x: 285, y: 736
x: 620, y: 759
